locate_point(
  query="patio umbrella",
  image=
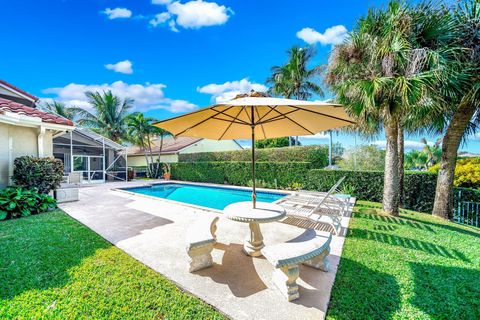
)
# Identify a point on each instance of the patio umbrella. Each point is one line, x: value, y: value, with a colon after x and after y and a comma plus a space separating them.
x: 257, y: 116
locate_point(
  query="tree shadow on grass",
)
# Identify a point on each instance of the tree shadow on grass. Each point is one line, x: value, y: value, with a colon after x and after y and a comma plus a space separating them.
x: 37, y: 252
x: 362, y: 293
x: 446, y: 292
x: 372, y: 214
x: 408, y: 243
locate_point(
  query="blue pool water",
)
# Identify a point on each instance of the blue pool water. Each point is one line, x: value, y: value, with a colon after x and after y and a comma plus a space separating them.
x: 205, y: 196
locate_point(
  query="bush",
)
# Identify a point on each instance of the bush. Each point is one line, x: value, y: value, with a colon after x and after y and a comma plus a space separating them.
x: 365, y: 185
x: 363, y: 158
x: 467, y: 173
x: 43, y: 174
x: 316, y: 155
x: 277, y: 175
x: 419, y: 187
x: 17, y: 202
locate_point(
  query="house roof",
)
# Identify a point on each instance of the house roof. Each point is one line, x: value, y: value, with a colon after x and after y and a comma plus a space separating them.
x: 98, y: 138
x: 170, y: 146
x: 12, y: 87
x: 18, y: 108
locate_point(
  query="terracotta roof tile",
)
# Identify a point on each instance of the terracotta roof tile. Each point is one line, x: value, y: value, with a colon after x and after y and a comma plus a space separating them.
x: 10, y: 106
x: 11, y: 86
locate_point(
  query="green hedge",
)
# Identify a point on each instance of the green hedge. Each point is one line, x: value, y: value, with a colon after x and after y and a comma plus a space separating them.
x: 316, y: 155
x: 269, y: 174
x: 365, y: 185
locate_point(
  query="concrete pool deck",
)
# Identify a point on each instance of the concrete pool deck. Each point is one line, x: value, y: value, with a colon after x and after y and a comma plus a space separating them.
x: 153, y: 231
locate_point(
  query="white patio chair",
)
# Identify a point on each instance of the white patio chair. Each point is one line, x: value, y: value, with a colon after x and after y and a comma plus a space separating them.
x: 324, y: 208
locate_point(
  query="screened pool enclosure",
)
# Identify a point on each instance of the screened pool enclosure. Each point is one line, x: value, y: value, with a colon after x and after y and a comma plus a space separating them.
x: 99, y: 159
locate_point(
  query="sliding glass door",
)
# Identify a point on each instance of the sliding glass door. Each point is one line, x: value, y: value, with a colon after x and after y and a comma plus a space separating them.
x: 91, y: 168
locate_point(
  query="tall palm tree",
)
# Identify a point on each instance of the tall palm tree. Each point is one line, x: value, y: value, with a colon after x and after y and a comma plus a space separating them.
x: 108, y: 116
x: 461, y: 93
x: 294, y: 79
x: 139, y: 131
x: 60, y: 109
x: 383, y: 72
x: 160, y: 134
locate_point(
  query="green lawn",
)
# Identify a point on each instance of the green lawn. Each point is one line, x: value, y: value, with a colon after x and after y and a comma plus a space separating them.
x: 53, y: 267
x: 412, y: 267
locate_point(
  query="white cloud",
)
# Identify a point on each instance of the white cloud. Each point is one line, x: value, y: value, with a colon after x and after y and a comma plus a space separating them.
x: 228, y: 90
x: 191, y: 15
x: 160, y: 19
x: 332, y: 35
x: 147, y: 96
x: 117, y: 13
x: 409, y: 144
x: 318, y: 136
x: 124, y: 66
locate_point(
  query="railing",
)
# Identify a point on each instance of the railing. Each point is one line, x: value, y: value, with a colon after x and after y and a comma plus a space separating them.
x: 466, y: 211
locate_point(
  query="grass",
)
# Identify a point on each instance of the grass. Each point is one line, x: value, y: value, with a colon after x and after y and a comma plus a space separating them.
x: 411, y: 267
x: 53, y: 267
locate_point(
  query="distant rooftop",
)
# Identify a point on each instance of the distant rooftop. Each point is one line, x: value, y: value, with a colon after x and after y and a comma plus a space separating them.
x: 170, y: 145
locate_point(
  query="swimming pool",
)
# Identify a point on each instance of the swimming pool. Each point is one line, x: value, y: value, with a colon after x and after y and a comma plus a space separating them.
x: 206, y: 196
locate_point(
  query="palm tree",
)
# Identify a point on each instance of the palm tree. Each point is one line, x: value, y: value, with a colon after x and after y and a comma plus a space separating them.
x: 294, y: 79
x: 139, y: 131
x: 60, y: 109
x: 461, y: 93
x: 382, y: 72
x: 109, y: 116
x: 433, y: 153
x: 160, y: 134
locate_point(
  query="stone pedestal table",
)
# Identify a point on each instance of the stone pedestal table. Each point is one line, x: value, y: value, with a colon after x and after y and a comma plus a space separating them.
x: 263, y: 213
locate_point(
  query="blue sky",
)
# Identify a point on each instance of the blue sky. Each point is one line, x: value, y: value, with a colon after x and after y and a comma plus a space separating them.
x: 170, y: 56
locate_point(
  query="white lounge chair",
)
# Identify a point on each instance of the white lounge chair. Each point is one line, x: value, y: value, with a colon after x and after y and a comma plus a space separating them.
x: 313, y: 198
x: 323, y: 208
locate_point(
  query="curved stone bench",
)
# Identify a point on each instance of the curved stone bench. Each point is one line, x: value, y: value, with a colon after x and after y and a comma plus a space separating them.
x: 200, y: 240
x: 310, y: 248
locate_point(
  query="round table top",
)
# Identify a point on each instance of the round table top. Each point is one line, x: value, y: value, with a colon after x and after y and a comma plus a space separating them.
x: 263, y: 213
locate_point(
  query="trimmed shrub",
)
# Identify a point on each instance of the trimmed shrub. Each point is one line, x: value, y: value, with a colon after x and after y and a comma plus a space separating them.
x: 365, y: 185
x: 316, y: 155
x: 18, y: 202
x: 43, y: 174
x: 467, y: 173
x: 279, y: 175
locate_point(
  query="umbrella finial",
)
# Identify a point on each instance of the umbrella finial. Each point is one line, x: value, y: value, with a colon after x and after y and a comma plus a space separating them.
x: 252, y: 93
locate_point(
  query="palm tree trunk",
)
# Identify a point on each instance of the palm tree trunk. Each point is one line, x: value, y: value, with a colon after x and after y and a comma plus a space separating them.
x: 159, y: 154
x: 401, y: 161
x: 443, y: 204
x: 150, y: 154
x: 391, y: 181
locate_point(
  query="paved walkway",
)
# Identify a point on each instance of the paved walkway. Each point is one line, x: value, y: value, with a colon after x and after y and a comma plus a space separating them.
x: 153, y: 232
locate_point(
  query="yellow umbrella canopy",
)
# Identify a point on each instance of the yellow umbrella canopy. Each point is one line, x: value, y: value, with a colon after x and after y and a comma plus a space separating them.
x: 257, y: 116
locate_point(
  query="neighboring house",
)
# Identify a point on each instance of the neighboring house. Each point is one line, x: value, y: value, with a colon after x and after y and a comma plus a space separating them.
x: 99, y: 159
x: 24, y: 129
x: 172, y: 147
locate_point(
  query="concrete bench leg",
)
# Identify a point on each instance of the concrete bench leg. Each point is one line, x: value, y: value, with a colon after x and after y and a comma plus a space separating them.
x: 286, y: 281
x: 200, y: 258
x: 320, y: 262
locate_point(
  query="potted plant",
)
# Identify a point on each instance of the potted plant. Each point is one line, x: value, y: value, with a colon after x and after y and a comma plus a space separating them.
x: 167, y: 174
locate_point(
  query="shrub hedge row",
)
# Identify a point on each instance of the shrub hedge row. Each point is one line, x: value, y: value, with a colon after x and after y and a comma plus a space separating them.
x: 281, y: 175
x: 365, y: 185
x: 316, y: 155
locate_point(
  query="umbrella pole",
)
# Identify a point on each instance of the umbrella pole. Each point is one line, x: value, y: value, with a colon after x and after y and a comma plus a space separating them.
x: 254, y: 194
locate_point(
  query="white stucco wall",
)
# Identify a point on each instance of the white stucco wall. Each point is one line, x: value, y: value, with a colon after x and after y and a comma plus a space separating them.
x: 207, y: 145
x: 139, y: 161
x: 24, y: 141
x: 204, y: 145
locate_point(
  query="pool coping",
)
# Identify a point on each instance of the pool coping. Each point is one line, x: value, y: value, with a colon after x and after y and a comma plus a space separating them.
x: 204, y: 184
